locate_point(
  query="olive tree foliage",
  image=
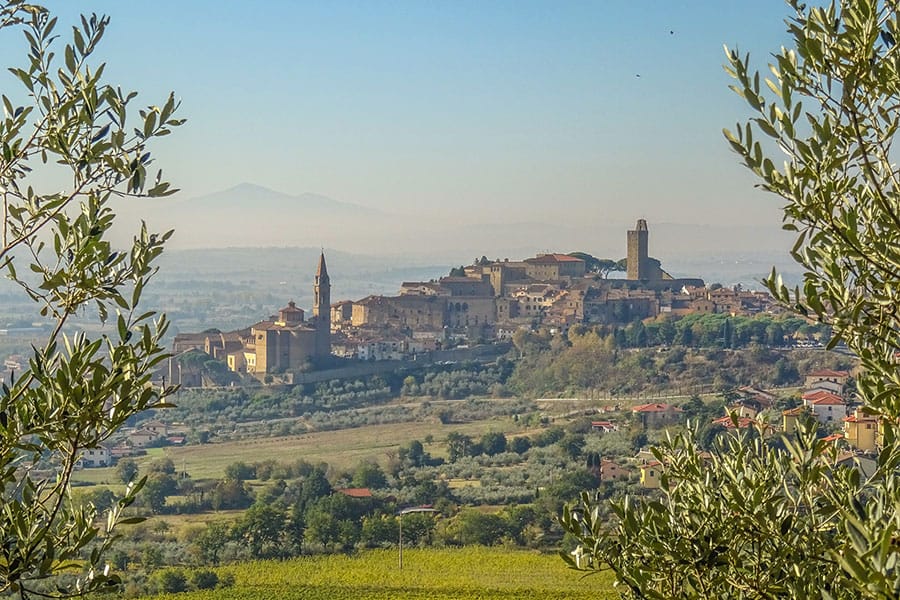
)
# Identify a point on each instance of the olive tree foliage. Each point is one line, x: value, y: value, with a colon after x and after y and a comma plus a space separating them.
x: 744, y: 521
x: 773, y: 516
x: 833, y: 109
x: 66, y: 125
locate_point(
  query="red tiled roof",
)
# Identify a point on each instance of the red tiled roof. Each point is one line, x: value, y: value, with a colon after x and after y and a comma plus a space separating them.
x: 827, y: 400
x: 793, y: 412
x: 728, y: 423
x: 860, y: 419
x: 833, y: 437
x: 815, y: 394
x: 356, y: 492
x: 291, y: 308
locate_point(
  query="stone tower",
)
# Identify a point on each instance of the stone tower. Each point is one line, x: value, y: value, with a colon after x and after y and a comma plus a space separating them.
x: 322, y: 308
x: 638, y: 265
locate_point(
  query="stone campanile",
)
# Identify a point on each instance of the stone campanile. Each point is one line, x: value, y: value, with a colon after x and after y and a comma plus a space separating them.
x: 638, y: 266
x: 322, y: 308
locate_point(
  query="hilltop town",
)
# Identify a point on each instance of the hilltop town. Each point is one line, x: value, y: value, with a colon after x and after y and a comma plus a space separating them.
x: 485, y: 302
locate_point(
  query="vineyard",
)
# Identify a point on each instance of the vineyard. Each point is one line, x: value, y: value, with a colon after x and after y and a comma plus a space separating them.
x: 476, y: 572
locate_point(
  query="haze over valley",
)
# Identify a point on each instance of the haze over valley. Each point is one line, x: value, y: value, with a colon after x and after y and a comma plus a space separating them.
x: 252, y: 216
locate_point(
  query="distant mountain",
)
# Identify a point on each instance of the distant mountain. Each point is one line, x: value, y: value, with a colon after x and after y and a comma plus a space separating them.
x: 263, y: 202
x: 253, y: 215
x: 250, y: 215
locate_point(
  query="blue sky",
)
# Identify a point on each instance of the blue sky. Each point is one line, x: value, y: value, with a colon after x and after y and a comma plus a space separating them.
x: 473, y: 111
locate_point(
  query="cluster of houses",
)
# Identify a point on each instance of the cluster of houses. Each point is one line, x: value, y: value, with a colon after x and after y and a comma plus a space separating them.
x: 134, y: 442
x: 490, y: 300
x: 485, y: 301
x: 827, y: 397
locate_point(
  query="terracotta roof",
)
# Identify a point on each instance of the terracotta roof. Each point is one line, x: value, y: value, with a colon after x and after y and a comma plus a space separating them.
x: 272, y: 326
x: 828, y: 400
x: 816, y: 394
x: 833, y: 437
x: 291, y: 307
x: 356, y: 492
x: 863, y: 419
x: 793, y: 412
x: 728, y: 423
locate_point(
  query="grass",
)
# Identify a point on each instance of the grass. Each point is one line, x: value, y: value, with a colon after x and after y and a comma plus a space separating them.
x: 341, y: 449
x: 474, y: 572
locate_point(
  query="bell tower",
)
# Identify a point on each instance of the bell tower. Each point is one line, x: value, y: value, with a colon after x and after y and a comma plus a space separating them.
x: 322, y: 308
x: 637, y: 264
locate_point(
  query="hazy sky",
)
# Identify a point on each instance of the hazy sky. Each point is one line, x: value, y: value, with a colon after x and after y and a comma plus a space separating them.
x: 603, y: 110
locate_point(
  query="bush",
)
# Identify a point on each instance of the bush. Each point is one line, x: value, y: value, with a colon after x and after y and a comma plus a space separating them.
x: 169, y: 581
x: 204, y: 579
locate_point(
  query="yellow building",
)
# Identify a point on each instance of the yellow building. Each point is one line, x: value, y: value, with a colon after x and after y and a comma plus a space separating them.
x: 861, y: 431
x: 650, y: 475
x: 789, y: 418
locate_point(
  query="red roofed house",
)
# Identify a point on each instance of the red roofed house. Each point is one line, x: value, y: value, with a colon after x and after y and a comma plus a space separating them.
x: 728, y: 423
x: 656, y: 414
x: 356, y: 492
x: 827, y: 407
x: 826, y: 379
x: 603, y: 426
x: 610, y: 470
x: 827, y: 375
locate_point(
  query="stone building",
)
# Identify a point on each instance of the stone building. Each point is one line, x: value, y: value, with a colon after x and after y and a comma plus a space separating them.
x: 554, y: 267
x: 283, y: 342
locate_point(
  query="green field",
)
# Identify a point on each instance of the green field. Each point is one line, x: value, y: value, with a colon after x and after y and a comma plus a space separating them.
x: 341, y: 449
x: 475, y: 572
